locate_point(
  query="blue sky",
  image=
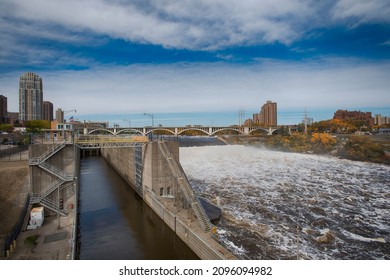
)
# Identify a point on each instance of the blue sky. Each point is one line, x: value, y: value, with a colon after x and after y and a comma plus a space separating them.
x: 199, y: 61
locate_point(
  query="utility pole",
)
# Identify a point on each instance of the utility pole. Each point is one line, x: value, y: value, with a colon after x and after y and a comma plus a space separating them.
x: 241, y: 114
x: 305, y: 121
x: 63, y: 125
x: 58, y: 188
x: 150, y: 115
x: 129, y: 121
x: 151, y: 134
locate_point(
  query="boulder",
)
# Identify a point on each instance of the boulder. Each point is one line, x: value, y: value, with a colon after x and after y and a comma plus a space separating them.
x: 327, y: 238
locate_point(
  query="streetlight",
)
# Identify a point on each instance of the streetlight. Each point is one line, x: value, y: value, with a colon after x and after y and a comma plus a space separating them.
x: 128, y: 122
x: 150, y: 115
x: 63, y: 125
x: 58, y: 188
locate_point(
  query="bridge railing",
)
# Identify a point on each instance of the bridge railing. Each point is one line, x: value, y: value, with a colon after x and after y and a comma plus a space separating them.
x: 93, y: 139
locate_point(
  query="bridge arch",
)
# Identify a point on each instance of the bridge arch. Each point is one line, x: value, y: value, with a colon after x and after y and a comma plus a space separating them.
x: 267, y: 131
x: 160, y: 129
x: 227, y: 129
x: 101, y: 129
x: 193, y: 129
x: 262, y: 130
x: 129, y: 130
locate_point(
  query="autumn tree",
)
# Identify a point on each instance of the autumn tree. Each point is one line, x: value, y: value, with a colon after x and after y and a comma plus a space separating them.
x: 362, y: 148
x: 35, y: 126
x: 322, y: 142
x: 6, y: 128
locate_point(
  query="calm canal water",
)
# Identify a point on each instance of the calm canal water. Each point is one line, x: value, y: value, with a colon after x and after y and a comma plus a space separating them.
x: 115, y: 224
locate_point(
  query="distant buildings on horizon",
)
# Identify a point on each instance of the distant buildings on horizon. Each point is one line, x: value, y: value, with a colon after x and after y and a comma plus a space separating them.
x: 31, y: 103
x: 267, y: 116
x: 33, y: 107
x: 361, y: 116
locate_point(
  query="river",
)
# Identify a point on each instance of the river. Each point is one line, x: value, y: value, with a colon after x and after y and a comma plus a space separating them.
x: 280, y: 205
x: 115, y: 224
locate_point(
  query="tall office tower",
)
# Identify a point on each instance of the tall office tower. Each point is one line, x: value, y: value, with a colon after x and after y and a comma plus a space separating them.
x: 47, y: 111
x: 3, y: 109
x: 268, y: 114
x: 30, y: 97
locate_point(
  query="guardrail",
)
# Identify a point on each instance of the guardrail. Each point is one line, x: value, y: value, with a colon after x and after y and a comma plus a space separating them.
x: 7, y: 243
x: 12, y: 151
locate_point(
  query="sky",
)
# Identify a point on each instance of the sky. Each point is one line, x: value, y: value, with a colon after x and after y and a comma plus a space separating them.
x: 198, y: 61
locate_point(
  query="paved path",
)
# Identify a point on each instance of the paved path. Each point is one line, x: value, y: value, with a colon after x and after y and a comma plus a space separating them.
x: 53, y: 243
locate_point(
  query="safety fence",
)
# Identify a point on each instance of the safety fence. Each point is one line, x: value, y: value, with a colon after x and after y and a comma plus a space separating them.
x: 12, y: 151
x: 7, y: 243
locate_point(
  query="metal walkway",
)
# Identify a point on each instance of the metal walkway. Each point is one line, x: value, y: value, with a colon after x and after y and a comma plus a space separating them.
x: 97, y: 142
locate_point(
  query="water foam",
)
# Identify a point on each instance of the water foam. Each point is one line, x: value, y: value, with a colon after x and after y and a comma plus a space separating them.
x: 268, y: 197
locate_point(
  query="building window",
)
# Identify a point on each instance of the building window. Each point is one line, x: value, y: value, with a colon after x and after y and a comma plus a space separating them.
x: 161, y: 191
x: 169, y: 191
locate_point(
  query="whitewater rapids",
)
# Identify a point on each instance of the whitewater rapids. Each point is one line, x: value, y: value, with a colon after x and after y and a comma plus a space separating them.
x: 280, y: 205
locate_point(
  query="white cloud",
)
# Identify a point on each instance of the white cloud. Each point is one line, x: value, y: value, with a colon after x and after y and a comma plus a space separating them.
x: 193, y: 24
x: 207, y: 87
x: 363, y: 11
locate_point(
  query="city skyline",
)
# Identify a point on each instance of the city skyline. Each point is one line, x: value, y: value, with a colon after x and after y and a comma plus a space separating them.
x: 199, y: 57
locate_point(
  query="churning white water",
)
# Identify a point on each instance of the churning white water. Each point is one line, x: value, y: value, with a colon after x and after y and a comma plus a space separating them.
x: 280, y: 205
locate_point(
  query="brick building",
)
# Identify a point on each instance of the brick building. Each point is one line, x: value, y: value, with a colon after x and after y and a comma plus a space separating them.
x: 354, y: 116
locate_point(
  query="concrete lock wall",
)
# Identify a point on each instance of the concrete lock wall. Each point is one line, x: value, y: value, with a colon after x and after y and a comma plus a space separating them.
x: 159, y: 189
x: 122, y: 160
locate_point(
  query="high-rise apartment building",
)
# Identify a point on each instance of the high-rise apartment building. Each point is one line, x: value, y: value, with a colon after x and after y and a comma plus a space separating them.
x: 47, y: 111
x: 30, y: 97
x: 3, y: 109
x: 268, y: 114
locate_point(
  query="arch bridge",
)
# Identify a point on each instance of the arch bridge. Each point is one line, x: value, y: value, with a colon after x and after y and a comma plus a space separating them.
x: 176, y: 131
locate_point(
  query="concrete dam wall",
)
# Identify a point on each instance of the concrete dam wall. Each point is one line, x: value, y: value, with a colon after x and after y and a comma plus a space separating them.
x: 154, y: 171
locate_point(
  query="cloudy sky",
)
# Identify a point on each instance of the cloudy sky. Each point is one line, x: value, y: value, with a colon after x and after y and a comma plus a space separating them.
x: 199, y: 61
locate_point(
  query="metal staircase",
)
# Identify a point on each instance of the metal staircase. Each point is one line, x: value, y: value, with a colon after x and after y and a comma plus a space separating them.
x: 55, y: 171
x: 44, y: 196
x: 46, y: 155
x: 49, y: 203
x: 185, y: 186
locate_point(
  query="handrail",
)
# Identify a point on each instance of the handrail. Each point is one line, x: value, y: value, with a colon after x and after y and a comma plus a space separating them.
x: 47, y: 154
x: 55, y: 171
x: 38, y: 198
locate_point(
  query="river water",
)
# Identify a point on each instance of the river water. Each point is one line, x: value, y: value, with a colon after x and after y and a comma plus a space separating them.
x: 115, y: 224
x: 280, y: 205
